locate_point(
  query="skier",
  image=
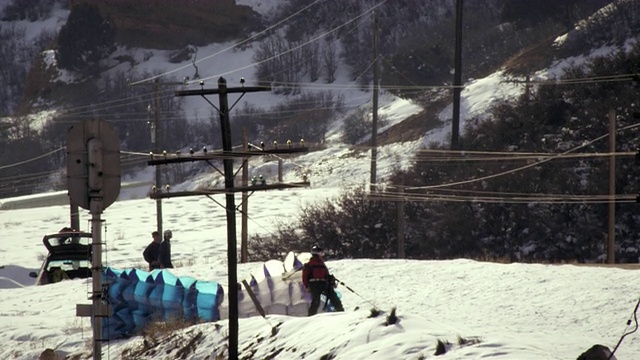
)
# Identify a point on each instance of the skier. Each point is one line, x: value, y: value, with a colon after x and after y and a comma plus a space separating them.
x: 318, y: 281
x: 165, y: 251
x: 152, y: 252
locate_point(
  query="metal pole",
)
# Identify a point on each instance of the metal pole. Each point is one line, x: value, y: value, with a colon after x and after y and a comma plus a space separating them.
x: 244, y: 256
x: 401, y: 224
x: 374, y: 116
x: 231, y: 221
x: 96, y: 274
x: 75, y: 217
x: 611, y: 238
x: 156, y: 150
x: 457, y: 79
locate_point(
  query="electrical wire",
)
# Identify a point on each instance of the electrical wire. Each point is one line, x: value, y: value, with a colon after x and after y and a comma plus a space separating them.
x: 327, y: 33
x: 91, y: 111
x: 528, y: 199
x: 537, y: 163
x: 573, y: 81
x: 431, y: 197
x: 635, y: 318
x: 618, y: 77
x: 126, y: 102
x: 233, y: 46
x: 33, y: 159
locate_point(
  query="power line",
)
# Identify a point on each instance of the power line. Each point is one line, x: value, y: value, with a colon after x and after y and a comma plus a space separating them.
x: 233, y: 46
x: 144, y: 98
x: 578, y: 81
x: 90, y: 110
x: 33, y: 159
x: 537, y: 163
x: 529, y: 199
x: 299, y: 46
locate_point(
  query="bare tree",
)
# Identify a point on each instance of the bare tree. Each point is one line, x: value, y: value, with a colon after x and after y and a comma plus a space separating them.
x: 311, y: 53
x: 330, y: 61
x: 193, y: 61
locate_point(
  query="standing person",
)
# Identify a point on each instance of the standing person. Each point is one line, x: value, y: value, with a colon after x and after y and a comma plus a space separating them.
x: 165, y: 251
x: 317, y: 280
x: 151, y: 253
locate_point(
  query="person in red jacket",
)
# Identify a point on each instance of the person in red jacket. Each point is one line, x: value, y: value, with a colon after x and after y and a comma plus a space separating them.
x: 318, y: 281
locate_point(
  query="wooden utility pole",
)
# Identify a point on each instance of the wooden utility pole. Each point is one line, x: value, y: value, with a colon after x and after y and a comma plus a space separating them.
x: 156, y: 137
x: 155, y: 140
x: 401, y: 223
x: 244, y: 236
x: 457, y: 80
x: 374, y: 114
x: 227, y: 155
x: 611, y: 238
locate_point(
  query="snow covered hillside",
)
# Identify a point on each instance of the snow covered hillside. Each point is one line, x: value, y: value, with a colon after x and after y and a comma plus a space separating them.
x: 515, y: 311
x: 474, y: 309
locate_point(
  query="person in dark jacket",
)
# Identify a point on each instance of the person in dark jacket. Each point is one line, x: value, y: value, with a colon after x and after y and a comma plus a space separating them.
x: 151, y: 253
x: 165, y: 251
x: 318, y: 281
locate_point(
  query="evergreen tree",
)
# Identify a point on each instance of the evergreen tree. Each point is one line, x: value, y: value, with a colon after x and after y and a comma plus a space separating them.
x: 85, y: 39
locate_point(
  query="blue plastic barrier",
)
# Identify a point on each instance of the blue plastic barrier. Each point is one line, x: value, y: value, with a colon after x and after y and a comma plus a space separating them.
x: 138, y: 297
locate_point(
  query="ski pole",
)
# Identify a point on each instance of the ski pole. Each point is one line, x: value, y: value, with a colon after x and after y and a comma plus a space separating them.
x: 286, y: 276
x: 353, y: 291
x: 274, y: 329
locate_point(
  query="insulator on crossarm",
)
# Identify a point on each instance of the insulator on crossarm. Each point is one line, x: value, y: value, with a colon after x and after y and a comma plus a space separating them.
x: 262, y: 144
x: 305, y: 177
x: 154, y: 188
x: 164, y: 153
x: 204, y: 150
x: 191, y: 151
x: 151, y: 154
x: 301, y: 142
x: 178, y: 152
x: 289, y: 144
x: 275, y: 144
x: 167, y: 187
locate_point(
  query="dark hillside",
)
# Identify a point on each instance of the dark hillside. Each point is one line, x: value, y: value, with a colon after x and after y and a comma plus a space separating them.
x: 171, y: 24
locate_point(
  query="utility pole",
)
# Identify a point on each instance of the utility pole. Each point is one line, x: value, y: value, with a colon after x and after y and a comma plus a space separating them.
x: 374, y: 116
x: 401, y: 223
x: 457, y: 80
x: 244, y: 236
x: 227, y: 155
x: 155, y: 141
x: 611, y: 238
x: 156, y: 136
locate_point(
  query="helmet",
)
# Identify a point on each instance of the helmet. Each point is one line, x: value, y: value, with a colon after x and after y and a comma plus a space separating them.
x: 317, y: 250
x: 168, y: 233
